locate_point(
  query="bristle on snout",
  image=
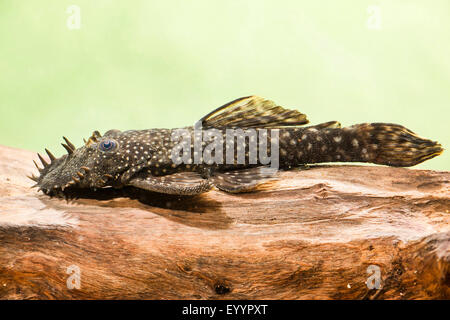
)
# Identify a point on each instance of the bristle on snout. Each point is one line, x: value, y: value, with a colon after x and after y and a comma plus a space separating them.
x: 50, y: 164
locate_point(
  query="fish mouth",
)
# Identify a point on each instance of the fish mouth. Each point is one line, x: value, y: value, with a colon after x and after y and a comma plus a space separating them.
x: 60, y: 173
x: 71, y: 171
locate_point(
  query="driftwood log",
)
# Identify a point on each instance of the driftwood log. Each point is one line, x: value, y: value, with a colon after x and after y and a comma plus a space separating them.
x: 320, y: 233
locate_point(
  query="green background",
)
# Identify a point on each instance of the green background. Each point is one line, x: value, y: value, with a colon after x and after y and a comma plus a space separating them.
x: 144, y: 64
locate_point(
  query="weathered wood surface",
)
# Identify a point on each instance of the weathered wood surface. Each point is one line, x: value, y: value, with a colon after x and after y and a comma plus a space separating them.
x: 312, y: 235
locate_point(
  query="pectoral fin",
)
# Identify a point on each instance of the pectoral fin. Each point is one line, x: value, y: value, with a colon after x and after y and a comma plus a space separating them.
x: 252, y: 112
x: 243, y: 180
x: 184, y: 183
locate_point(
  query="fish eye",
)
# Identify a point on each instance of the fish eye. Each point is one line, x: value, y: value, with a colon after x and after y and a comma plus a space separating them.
x: 107, y: 145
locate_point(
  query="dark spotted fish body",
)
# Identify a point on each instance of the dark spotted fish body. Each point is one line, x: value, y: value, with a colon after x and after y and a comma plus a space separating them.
x: 173, y: 161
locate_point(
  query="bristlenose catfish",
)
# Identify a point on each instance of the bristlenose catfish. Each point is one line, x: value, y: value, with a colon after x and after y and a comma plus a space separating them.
x: 145, y: 158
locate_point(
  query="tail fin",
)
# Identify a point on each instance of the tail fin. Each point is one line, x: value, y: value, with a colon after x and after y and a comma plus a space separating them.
x: 395, y: 145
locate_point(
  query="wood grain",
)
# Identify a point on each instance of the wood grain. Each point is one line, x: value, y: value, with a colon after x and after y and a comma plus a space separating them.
x: 310, y: 235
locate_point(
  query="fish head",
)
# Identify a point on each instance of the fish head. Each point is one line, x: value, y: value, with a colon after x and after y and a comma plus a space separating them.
x: 102, y: 161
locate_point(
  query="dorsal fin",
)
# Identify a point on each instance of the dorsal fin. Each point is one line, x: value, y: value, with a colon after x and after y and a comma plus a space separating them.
x: 252, y: 112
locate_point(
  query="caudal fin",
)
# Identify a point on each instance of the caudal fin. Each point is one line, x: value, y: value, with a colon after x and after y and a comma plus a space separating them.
x: 395, y: 145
